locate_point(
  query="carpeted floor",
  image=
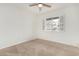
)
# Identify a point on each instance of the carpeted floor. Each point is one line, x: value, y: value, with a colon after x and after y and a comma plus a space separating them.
x: 39, y: 47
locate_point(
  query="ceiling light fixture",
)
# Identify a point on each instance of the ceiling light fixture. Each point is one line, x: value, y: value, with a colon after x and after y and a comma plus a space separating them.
x: 40, y: 5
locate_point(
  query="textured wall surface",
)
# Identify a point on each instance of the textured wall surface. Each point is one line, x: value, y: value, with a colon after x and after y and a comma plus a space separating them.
x: 70, y: 35
x: 15, y: 24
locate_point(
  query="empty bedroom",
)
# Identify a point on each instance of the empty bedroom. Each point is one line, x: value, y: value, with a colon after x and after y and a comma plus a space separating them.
x: 39, y: 29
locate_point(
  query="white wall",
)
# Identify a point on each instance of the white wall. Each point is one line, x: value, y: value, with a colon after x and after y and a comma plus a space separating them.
x: 15, y: 25
x: 70, y: 35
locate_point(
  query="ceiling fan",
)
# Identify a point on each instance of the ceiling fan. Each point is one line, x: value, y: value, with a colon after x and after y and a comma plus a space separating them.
x: 40, y: 5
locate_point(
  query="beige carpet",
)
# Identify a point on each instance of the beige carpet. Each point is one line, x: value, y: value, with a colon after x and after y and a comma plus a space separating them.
x: 40, y: 47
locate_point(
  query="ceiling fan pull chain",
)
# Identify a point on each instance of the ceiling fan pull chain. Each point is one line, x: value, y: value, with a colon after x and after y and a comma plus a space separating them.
x: 40, y: 8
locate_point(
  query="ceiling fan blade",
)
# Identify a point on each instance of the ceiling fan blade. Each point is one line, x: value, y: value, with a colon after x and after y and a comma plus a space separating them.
x: 33, y: 4
x: 46, y: 5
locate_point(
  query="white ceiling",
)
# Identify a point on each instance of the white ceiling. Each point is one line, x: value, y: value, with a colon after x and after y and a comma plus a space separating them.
x: 55, y: 6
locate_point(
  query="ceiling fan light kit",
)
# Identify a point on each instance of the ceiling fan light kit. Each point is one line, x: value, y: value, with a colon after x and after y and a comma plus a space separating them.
x: 40, y: 5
